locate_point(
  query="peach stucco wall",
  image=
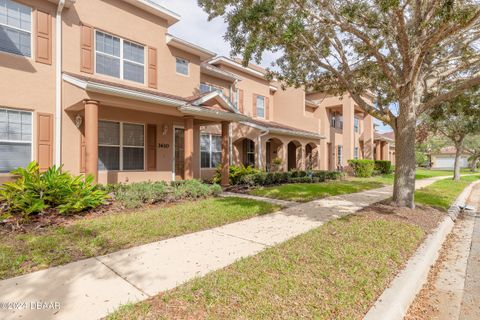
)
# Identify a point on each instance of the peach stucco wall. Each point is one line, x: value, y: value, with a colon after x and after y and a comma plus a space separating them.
x: 142, y: 27
x: 289, y: 109
x: 26, y: 84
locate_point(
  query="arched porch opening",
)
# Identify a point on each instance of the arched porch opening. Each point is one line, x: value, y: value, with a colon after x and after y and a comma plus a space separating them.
x: 311, y: 156
x: 294, y: 155
x: 273, y: 154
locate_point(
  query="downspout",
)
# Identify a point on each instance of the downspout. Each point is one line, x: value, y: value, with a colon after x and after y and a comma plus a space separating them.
x: 58, y: 83
x: 260, y: 153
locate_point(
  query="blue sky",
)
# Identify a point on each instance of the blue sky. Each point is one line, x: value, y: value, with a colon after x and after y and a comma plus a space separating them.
x: 195, y: 27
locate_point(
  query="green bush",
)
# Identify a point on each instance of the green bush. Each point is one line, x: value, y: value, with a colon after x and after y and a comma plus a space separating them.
x: 362, y: 168
x: 135, y: 195
x: 34, y: 192
x: 383, y: 166
x: 236, y: 173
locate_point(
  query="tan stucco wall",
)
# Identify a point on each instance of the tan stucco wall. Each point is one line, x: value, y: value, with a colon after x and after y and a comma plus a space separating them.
x: 142, y: 27
x: 26, y: 84
x: 290, y: 110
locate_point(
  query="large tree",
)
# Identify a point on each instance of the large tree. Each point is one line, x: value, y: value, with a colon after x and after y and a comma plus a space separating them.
x: 456, y: 120
x: 414, y: 53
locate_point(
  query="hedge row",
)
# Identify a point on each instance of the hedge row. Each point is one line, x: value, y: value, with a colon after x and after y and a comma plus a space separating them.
x: 272, y: 178
x: 365, y: 168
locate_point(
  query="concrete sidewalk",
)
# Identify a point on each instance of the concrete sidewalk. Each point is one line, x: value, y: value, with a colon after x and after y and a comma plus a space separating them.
x: 93, y: 288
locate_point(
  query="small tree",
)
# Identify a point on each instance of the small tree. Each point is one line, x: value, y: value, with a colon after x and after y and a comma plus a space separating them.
x: 456, y: 120
x: 415, y: 54
x: 472, y: 147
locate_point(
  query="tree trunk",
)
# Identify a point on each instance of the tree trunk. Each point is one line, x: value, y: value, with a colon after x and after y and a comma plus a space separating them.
x: 404, y: 183
x: 456, y: 169
x: 473, y: 164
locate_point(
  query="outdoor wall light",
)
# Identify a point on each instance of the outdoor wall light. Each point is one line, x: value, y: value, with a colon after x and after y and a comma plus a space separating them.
x: 78, y: 121
x: 165, y: 129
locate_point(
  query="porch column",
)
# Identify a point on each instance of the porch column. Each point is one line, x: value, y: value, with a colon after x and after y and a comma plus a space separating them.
x: 285, y: 156
x: 225, y: 154
x: 91, y: 138
x: 386, y: 151
x: 348, y: 110
x: 368, y: 137
x: 378, y: 150
x: 303, y: 157
x: 188, y: 147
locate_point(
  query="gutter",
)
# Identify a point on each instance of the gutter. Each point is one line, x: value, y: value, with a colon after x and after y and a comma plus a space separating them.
x: 285, y: 131
x: 58, y: 83
x: 220, y: 115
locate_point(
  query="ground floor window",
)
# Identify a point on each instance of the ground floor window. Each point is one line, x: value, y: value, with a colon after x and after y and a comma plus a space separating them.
x: 340, y: 156
x: 249, y: 156
x: 15, y: 139
x: 121, y: 146
x: 211, y: 150
x: 355, y: 153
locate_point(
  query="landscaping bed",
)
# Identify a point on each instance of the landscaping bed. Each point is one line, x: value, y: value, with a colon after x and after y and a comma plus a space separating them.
x: 304, y: 192
x: 35, y: 247
x: 335, y: 271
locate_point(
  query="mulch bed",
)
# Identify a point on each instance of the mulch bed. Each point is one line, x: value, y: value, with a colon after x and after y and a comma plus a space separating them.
x: 427, y: 218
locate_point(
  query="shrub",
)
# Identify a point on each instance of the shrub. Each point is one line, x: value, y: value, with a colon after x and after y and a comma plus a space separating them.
x: 135, y: 195
x: 34, y: 192
x: 383, y: 166
x: 236, y: 173
x: 362, y: 167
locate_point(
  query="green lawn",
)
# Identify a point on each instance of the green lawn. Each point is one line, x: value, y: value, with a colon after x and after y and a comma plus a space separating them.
x: 304, y: 192
x: 99, y: 235
x: 333, y: 272
x: 441, y: 194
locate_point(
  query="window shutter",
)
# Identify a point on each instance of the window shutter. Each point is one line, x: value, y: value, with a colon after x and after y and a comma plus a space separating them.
x: 43, y: 38
x: 151, y: 147
x: 86, y: 49
x: 240, y: 100
x: 44, y: 140
x: 267, y: 108
x: 152, y: 68
x: 254, y: 113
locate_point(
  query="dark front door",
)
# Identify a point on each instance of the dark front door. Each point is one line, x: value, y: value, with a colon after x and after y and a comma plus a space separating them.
x: 179, y: 154
x: 268, y: 157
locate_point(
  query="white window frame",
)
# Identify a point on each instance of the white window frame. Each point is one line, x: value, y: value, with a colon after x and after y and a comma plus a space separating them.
x: 210, y: 151
x: 31, y: 134
x: 121, y: 146
x: 121, y: 57
x: 188, y: 66
x: 256, y: 104
x: 356, y: 125
x: 340, y: 155
x: 32, y: 47
x: 211, y: 87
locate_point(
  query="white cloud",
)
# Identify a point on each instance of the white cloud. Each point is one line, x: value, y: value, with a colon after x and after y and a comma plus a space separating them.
x: 195, y: 27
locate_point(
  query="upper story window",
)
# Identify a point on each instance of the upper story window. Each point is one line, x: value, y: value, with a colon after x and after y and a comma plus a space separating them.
x: 119, y: 58
x: 261, y: 106
x: 356, y: 125
x: 333, y: 121
x: 340, y: 122
x: 15, y: 139
x: 15, y: 28
x: 181, y: 65
x: 205, y: 87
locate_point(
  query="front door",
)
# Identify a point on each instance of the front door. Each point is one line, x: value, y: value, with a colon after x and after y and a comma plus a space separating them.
x: 268, y: 157
x: 179, y: 154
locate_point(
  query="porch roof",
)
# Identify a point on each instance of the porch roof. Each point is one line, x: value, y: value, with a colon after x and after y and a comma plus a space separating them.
x: 278, y: 128
x: 198, y: 105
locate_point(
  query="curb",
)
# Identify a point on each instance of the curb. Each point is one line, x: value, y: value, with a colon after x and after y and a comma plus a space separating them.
x: 394, y: 302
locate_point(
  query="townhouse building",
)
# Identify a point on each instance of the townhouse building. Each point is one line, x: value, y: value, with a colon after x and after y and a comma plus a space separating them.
x: 102, y: 88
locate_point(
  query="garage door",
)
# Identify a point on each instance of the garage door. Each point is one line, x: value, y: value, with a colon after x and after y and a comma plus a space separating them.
x: 444, y: 162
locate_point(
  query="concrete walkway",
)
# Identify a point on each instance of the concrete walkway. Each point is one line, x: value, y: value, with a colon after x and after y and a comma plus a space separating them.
x: 92, y: 288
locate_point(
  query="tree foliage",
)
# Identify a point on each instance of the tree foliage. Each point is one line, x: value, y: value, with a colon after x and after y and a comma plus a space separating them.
x: 411, y: 54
